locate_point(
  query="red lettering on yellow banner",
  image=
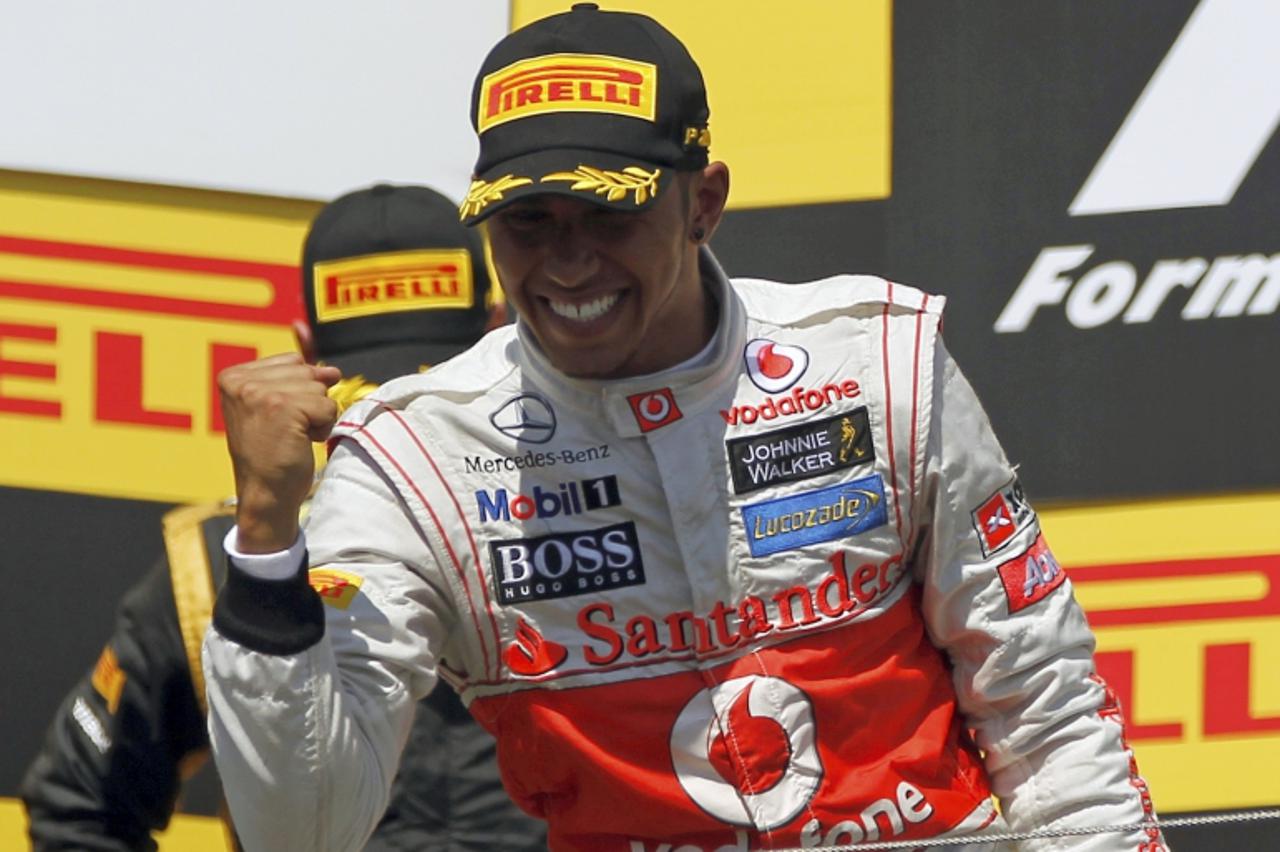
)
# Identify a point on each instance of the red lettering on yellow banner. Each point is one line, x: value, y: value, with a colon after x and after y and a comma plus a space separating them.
x: 1265, y: 566
x: 118, y: 394
x: 1116, y: 668
x: 1226, y: 693
x: 28, y: 369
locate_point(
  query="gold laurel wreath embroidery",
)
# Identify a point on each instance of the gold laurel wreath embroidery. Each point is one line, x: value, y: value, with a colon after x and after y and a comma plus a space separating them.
x: 350, y: 390
x: 483, y: 193
x: 614, y: 186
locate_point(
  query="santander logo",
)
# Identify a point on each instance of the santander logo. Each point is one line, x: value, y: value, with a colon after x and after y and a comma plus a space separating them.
x: 531, y: 654
x: 774, y: 367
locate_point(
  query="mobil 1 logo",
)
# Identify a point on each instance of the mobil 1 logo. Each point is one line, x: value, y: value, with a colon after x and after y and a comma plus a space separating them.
x: 800, y: 452
x: 559, y: 565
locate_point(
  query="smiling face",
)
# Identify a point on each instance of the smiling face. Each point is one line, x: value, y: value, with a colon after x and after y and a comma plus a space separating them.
x: 609, y: 294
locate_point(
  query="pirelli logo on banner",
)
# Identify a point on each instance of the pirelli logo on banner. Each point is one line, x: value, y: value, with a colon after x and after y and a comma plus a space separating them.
x: 395, y: 281
x: 567, y: 82
x: 1184, y: 597
x: 109, y: 358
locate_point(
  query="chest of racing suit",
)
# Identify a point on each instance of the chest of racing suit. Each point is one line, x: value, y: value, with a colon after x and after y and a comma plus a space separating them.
x: 756, y: 602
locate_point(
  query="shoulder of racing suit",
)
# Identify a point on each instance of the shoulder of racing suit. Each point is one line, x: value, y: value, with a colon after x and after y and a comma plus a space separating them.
x: 782, y: 304
x: 471, y: 374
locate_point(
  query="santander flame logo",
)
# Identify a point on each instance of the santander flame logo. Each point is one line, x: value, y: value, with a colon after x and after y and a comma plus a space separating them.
x: 775, y: 745
x: 530, y: 654
x: 774, y: 367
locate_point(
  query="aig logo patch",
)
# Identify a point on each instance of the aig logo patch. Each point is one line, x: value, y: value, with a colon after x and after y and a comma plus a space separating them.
x: 1001, y: 516
x: 393, y: 281
x: 1030, y: 577
x: 560, y: 565
x: 800, y: 452
x: 811, y: 517
x: 567, y: 82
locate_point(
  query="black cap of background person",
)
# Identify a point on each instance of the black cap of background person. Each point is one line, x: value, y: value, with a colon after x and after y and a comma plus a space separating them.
x: 596, y: 105
x: 392, y: 282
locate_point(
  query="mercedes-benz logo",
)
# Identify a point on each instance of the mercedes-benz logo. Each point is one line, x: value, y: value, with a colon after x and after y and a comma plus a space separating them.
x: 527, y: 417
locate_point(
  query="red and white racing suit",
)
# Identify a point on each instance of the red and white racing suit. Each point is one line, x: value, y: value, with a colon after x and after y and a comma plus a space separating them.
x: 788, y: 595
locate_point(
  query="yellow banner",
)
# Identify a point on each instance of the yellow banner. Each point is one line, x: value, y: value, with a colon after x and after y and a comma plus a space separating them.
x: 119, y: 303
x: 800, y: 93
x: 1184, y: 596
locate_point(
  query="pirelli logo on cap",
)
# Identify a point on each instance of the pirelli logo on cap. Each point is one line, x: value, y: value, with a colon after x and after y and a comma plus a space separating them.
x: 426, y: 279
x: 567, y: 82
x: 336, y: 588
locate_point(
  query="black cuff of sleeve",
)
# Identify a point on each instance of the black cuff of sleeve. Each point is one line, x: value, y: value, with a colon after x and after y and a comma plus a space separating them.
x: 276, y: 617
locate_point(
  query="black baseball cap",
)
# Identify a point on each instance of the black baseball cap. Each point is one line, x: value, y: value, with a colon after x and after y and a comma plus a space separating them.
x: 392, y: 282
x: 601, y: 106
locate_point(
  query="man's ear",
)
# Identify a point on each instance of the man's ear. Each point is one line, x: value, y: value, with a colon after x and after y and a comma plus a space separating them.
x: 305, y: 339
x: 710, y: 194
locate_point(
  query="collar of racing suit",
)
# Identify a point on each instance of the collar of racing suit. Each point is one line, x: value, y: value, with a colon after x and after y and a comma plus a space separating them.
x: 705, y: 385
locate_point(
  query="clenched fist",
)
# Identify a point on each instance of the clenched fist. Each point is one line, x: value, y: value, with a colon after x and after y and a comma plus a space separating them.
x: 274, y: 408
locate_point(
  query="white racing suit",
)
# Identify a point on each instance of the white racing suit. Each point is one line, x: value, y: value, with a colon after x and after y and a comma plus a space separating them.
x: 789, y: 596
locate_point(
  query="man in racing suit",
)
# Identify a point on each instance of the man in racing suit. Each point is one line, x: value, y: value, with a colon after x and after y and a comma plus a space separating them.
x: 122, y: 742
x: 723, y: 565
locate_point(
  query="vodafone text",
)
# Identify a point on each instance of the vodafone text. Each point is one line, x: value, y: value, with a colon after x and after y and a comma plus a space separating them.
x: 893, y: 814
x: 798, y: 401
x: 1228, y: 286
x: 908, y: 805
x: 840, y: 593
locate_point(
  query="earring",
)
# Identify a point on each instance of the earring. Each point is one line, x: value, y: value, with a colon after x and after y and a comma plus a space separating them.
x: 698, y: 234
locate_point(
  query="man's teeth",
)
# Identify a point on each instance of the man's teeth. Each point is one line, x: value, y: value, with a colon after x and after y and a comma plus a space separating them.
x: 587, y: 311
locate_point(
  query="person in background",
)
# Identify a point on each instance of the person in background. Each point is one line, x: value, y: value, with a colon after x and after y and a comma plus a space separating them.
x: 392, y: 284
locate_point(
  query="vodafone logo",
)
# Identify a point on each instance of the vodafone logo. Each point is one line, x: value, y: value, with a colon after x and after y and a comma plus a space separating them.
x: 773, y: 744
x: 654, y: 409
x: 774, y: 367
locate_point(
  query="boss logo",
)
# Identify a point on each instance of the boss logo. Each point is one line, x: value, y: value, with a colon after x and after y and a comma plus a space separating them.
x: 560, y: 565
